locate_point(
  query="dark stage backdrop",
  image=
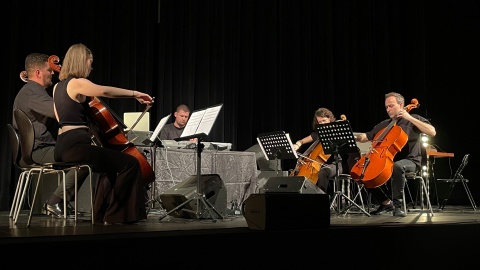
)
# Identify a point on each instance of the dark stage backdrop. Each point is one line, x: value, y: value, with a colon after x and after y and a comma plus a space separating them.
x: 271, y: 63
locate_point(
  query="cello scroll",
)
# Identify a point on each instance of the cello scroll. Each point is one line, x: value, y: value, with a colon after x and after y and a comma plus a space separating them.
x: 54, y: 63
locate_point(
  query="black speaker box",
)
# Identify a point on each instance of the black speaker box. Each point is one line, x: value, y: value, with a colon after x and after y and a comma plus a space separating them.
x: 290, y: 184
x: 213, y: 189
x: 279, y: 211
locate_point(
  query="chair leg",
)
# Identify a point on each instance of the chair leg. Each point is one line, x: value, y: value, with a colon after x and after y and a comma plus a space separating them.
x: 77, y: 168
x: 65, y: 214
x: 427, y: 195
x: 469, y: 194
x: 91, y: 194
x: 24, y: 187
x: 16, y: 197
x: 34, y: 197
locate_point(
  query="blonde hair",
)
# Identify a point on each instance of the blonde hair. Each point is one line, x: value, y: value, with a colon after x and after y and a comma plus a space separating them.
x: 75, y: 62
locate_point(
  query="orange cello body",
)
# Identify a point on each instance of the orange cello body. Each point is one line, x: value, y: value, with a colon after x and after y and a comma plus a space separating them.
x: 375, y: 168
x: 309, y: 166
x: 109, y: 134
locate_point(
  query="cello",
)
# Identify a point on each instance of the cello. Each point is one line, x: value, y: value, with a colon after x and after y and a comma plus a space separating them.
x: 375, y: 168
x: 312, y: 160
x: 107, y: 131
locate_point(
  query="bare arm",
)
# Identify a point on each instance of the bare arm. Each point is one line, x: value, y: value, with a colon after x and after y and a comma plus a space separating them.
x: 84, y: 87
x: 303, y: 141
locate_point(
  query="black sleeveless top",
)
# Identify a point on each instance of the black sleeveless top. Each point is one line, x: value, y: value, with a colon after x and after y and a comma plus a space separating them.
x: 70, y: 112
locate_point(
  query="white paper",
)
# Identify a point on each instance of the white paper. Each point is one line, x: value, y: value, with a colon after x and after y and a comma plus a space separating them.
x: 201, y: 121
x: 159, y: 127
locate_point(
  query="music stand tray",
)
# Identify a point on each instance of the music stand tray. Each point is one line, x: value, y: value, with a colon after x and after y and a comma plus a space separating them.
x: 335, y: 137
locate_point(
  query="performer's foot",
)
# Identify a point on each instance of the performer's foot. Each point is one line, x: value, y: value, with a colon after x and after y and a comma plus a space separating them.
x: 52, y: 210
x: 383, y: 208
x: 397, y: 212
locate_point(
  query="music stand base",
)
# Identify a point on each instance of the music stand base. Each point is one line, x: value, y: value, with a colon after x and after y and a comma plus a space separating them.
x: 338, y: 195
x: 208, y: 207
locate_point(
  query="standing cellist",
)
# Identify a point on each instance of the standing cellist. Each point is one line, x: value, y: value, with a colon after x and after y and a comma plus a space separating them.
x: 120, y: 197
x: 407, y: 160
x: 318, y: 166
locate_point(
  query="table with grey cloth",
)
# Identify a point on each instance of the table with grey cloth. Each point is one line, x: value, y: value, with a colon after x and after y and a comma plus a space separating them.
x: 237, y: 170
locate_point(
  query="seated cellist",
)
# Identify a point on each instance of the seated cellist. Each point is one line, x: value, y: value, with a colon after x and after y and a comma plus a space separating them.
x: 407, y: 160
x: 120, y: 197
x: 318, y: 167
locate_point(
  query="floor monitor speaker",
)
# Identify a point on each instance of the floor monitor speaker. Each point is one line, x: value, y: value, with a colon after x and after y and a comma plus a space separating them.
x: 278, y: 211
x: 290, y: 184
x: 213, y: 189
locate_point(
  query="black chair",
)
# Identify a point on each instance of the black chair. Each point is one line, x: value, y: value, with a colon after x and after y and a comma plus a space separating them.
x: 458, y: 177
x: 15, y: 148
x: 26, y: 134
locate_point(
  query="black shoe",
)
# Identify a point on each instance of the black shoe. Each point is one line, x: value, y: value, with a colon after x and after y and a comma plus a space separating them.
x: 53, y: 210
x: 382, y: 209
x: 71, y: 210
x: 398, y: 212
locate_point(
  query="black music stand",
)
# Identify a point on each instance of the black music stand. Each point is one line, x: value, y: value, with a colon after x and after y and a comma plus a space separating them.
x: 153, y: 142
x: 200, y: 121
x: 336, y: 137
x: 276, y: 145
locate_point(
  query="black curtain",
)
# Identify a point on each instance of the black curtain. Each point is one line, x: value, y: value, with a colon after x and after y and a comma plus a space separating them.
x: 271, y: 63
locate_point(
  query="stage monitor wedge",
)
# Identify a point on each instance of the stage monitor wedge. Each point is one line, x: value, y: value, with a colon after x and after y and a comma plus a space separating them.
x: 284, y: 211
x: 214, y: 190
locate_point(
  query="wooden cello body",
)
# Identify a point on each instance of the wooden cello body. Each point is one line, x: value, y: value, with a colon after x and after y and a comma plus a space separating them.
x: 375, y: 168
x: 309, y: 164
x: 107, y: 130
x: 312, y: 160
x: 109, y: 134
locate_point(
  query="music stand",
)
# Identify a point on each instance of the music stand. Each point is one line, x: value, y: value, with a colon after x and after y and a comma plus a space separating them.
x: 334, y: 137
x: 199, y: 126
x: 152, y: 141
x: 276, y: 145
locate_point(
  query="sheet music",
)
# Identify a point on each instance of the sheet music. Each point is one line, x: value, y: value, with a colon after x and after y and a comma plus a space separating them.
x: 159, y: 127
x: 201, y: 121
x: 276, y: 145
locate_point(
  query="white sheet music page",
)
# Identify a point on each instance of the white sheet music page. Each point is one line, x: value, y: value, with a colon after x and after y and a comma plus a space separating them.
x: 209, y: 119
x: 201, y: 121
x: 192, y: 124
x: 159, y: 127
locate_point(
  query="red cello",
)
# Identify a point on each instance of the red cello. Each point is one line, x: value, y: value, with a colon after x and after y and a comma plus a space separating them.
x: 108, y: 132
x: 375, y: 168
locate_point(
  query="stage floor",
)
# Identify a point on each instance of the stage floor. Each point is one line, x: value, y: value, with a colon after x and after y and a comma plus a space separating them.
x: 352, y: 240
x: 42, y: 225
